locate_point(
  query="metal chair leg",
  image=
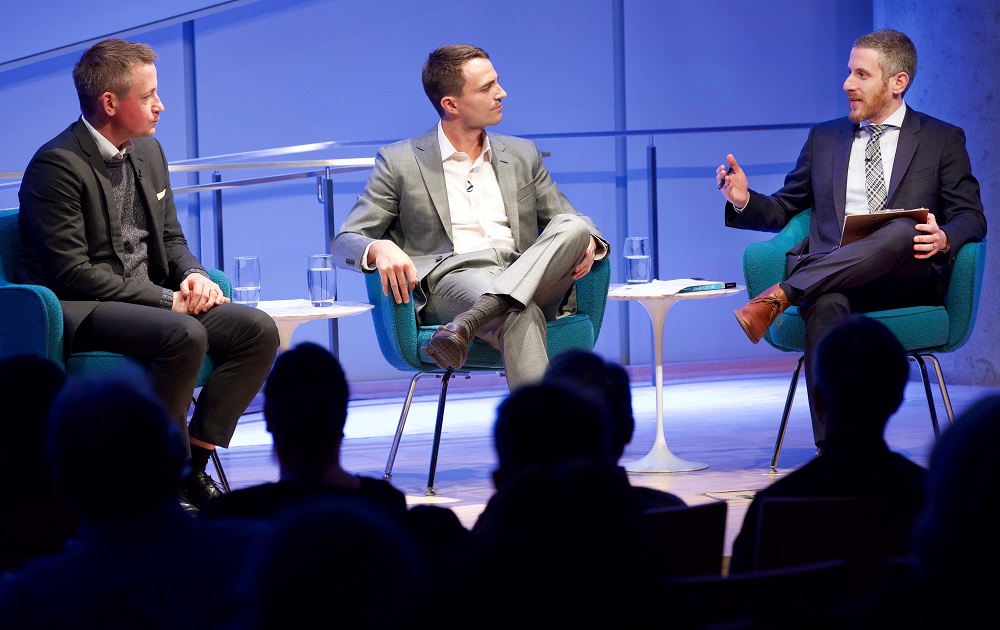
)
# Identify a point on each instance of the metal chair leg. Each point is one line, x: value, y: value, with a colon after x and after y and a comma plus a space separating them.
x: 784, y: 415
x: 218, y: 470
x: 402, y: 421
x: 438, y: 424
x: 927, y: 390
x: 942, y: 386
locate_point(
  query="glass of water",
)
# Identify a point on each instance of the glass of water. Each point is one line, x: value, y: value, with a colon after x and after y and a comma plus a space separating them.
x: 322, y: 281
x: 638, y: 260
x: 246, y: 280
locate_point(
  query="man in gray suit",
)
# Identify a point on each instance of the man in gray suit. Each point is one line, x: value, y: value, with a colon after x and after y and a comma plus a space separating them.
x: 97, y: 225
x: 471, y: 224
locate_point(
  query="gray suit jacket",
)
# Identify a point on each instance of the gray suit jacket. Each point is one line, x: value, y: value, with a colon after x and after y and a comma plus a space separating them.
x: 405, y: 201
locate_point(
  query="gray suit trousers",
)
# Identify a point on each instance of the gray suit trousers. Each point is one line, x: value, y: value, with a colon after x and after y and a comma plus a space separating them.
x: 538, y: 280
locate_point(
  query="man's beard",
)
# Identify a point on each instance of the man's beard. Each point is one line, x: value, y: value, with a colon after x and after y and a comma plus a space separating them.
x: 874, y: 107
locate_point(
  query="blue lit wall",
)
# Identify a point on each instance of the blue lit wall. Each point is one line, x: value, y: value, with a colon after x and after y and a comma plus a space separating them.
x: 276, y: 73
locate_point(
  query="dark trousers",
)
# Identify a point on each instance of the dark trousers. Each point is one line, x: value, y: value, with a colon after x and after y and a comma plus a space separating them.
x: 241, y: 341
x: 876, y: 273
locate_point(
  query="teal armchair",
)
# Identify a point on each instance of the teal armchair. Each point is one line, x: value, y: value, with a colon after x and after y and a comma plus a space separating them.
x: 922, y: 330
x: 400, y: 340
x: 32, y: 322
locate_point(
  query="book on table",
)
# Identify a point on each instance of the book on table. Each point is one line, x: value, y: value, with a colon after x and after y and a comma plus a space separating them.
x: 858, y: 226
x: 671, y: 287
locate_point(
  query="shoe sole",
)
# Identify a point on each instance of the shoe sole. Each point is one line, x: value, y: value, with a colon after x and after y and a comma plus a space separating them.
x: 446, y: 352
x: 745, y: 328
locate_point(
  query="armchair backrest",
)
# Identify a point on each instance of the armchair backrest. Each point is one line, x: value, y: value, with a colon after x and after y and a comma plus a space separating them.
x: 8, y: 244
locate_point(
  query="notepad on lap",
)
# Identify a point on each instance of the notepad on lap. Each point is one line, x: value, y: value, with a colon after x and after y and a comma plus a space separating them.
x: 858, y: 226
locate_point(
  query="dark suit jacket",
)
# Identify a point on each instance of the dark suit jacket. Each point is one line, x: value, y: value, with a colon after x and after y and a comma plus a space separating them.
x: 931, y: 170
x: 70, y: 226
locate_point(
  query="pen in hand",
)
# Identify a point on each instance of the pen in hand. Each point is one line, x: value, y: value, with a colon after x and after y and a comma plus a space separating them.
x: 723, y: 182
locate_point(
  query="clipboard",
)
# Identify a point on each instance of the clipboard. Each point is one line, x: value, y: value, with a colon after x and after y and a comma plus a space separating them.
x: 858, y: 226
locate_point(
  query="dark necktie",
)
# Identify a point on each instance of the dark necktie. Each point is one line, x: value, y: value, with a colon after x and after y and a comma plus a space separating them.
x: 874, y: 179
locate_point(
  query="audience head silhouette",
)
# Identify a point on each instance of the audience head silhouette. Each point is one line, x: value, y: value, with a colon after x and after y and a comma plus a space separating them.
x: 305, y: 409
x: 953, y: 538
x: 88, y: 418
x: 28, y: 384
x: 588, y: 373
x: 861, y: 371
x: 544, y: 424
x: 342, y: 557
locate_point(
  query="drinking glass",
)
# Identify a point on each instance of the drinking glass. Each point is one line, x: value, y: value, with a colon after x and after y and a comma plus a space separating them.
x: 638, y: 261
x: 322, y: 280
x: 246, y: 280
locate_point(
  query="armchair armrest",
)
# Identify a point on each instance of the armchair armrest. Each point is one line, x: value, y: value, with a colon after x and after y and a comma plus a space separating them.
x: 962, y: 300
x: 395, y: 326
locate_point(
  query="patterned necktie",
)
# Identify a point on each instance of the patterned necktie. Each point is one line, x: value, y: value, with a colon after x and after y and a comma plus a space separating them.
x: 874, y: 179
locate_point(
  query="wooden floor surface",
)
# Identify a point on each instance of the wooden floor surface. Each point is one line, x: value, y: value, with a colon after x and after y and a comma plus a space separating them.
x: 728, y: 421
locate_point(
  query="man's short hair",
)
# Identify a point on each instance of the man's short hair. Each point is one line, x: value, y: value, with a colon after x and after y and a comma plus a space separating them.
x: 861, y: 371
x: 90, y: 419
x: 305, y: 401
x: 549, y: 424
x: 896, y: 53
x: 443, y: 75
x: 107, y: 67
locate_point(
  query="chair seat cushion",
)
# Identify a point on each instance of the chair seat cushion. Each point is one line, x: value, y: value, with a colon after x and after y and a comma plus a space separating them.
x: 916, y: 327
x: 572, y: 331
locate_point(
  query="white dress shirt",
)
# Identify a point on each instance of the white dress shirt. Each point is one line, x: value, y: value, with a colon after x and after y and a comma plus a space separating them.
x: 857, y: 198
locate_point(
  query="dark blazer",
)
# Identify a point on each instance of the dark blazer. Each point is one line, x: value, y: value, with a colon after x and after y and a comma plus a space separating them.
x: 931, y: 170
x: 70, y: 226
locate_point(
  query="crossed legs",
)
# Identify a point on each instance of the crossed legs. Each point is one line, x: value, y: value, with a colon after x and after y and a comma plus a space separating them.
x: 504, y: 298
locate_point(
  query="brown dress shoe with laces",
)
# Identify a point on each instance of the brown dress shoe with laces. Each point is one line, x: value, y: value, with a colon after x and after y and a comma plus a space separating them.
x: 449, y: 346
x: 759, y: 313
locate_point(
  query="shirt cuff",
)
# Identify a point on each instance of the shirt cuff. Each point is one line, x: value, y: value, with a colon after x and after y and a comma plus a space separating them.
x: 364, y: 258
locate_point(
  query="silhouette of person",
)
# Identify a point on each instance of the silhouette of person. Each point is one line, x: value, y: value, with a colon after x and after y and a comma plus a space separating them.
x: 861, y: 372
x: 34, y: 521
x: 338, y: 557
x: 562, y: 530
x: 953, y: 536
x: 140, y: 560
x: 305, y: 410
x: 608, y: 382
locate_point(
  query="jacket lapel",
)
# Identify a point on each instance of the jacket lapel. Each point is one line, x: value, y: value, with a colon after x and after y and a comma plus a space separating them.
x: 428, y: 154
x: 112, y: 214
x: 508, y: 188
x: 145, y: 188
x: 906, y: 147
x: 841, y: 160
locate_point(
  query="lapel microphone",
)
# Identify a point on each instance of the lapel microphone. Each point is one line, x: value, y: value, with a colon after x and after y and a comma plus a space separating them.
x: 468, y: 188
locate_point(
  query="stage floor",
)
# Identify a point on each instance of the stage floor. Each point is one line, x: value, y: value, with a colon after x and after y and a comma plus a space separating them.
x: 729, y: 422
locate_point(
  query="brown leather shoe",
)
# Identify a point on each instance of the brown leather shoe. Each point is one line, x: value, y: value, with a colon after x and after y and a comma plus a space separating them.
x: 760, y: 312
x: 449, y: 346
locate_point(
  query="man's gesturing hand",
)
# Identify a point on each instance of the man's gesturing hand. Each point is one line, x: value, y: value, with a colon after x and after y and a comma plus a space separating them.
x: 396, y: 268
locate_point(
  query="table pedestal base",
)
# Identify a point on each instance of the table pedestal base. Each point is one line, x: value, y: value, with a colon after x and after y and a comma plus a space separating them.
x: 660, y: 459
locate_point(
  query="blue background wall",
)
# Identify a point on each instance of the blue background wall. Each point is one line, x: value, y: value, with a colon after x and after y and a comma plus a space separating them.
x: 253, y: 75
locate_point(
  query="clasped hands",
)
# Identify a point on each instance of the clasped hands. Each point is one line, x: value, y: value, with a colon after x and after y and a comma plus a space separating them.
x: 197, y: 294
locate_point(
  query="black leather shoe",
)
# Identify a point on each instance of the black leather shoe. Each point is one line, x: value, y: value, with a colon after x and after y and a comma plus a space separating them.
x: 189, y: 508
x: 198, y: 488
x: 449, y: 346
